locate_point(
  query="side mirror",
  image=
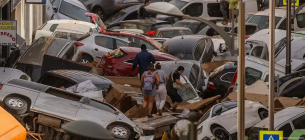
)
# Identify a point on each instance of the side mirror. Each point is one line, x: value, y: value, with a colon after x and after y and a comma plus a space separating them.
x: 218, y: 111
x: 54, y: 8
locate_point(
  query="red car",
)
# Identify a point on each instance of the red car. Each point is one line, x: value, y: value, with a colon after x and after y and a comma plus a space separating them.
x: 137, y: 39
x: 119, y: 62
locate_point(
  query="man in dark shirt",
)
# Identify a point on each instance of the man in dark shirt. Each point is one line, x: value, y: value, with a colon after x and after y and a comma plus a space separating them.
x: 142, y: 13
x: 142, y: 59
x: 171, y: 91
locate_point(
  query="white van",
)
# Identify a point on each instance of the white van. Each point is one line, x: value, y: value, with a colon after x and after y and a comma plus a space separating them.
x: 50, y: 26
x: 207, y: 8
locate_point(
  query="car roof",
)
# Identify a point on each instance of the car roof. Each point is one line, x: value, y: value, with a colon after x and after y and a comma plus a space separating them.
x: 294, y: 63
x: 252, y: 59
x: 185, y: 41
x: 262, y: 35
x: 80, y: 76
x: 135, y: 50
x: 77, y: 3
x: 73, y: 28
x: 173, y: 28
x: 170, y: 66
x: 147, y: 22
x: 236, y: 25
x: 282, y: 116
x: 58, y: 21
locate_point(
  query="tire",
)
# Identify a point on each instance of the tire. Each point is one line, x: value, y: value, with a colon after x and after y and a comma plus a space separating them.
x: 99, y: 11
x: 120, y: 131
x: 221, y: 133
x: 263, y: 114
x: 87, y: 58
x: 15, y: 105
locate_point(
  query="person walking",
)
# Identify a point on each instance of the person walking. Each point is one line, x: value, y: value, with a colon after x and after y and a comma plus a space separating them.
x: 173, y: 85
x: 161, y: 92
x: 142, y: 13
x: 223, y: 8
x: 150, y: 83
x: 142, y: 59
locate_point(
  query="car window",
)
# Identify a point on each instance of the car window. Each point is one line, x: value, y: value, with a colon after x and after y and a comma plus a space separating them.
x: 294, y: 89
x: 201, y: 26
x: 101, y: 106
x: 227, y: 77
x: 262, y: 21
x: 133, y: 15
x: 205, y: 116
x: 63, y: 94
x: 70, y: 53
x: 252, y: 75
x: 194, y: 9
x: 173, y: 33
x: 121, y: 43
x: 214, y: 10
x: 114, y: 17
x: 102, y: 41
x: 24, y: 77
x: 191, y: 25
x: 194, y: 75
x: 199, y: 50
x: 55, y: 3
x: 280, y: 45
x: 225, y: 107
x: 178, y: 3
x: 287, y: 130
x: 67, y: 35
x: 129, y: 26
x: 55, y: 81
x: 257, y: 51
x: 248, y: 16
x: 53, y: 27
x: 186, y: 94
x: 141, y: 41
x: 283, y: 24
x: 301, y: 20
x: 299, y: 123
x: 266, y: 78
x: 56, y: 46
x: 73, y: 11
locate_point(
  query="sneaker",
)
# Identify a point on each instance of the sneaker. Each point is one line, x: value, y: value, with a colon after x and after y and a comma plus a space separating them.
x: 150, y: 116
x: 159, y: 112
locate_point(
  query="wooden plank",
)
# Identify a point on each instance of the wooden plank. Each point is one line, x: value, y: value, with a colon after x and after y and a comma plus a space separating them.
x: 198, y: 105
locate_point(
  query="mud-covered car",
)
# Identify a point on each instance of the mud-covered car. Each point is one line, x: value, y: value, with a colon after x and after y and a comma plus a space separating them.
x: 220, y: 121
x: 52, y: 107
x: 10, y: 73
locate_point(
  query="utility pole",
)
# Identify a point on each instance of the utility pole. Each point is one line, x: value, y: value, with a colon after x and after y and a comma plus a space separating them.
x: 241, y: 72
x: 271, y: 63
x: 288, y: 38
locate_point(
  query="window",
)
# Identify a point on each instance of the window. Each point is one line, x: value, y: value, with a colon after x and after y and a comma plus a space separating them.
x: 301, y: 20
x: 201, y: 26
x: 279, y: 46
x: 257, y: 51
x: 70, y: 53
x: 191, y: 25
x: 62, y: 94
x: 129, y: 26
x: 55, y: 3
x: 205, y: 116
x: 24, y: 77
x: 73, y: 11
x: 294, y: 89
x: 199, y: 50
x: 53, y: 27
x: 121, y: 43
x: 287, y: 130
x: 214, y: 10
x: 104, y: 42
x: 101, y: 106
x: 267, y: 78
x: 133, y: 15
x: 55, y: 81
x: 262, y: 21
x: 228, y: 77
x: 194, y: 75
x: 225, y: 107
x: 173, y: 33
x: 56, y: 46
x: 283, y: 24
x: 141, y: 41
x: 194, y: 9
x: 252, y: 75
x: 178, y: 3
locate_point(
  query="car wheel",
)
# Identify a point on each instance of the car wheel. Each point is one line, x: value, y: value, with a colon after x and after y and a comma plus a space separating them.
x: 15, y: 105
x: 221, y: 133
x: 100, y: 12
x: 120, y: 131
x: 263, y: 113
x: 86, y: 58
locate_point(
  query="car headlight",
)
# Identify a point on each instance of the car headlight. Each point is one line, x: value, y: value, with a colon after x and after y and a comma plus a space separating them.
x: 138, y: 129
x: 199, y: 131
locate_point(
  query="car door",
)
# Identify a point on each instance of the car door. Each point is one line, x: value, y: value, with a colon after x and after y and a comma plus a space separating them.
x: 194, y: 76
x: 49, y: 9
x: 96, y: 111
x: 55, y: 101
x: 252, y: 75
x: 102, y: 45
x: 120, y: 43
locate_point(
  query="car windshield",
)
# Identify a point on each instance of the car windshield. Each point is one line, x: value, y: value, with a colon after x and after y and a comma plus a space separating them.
x: 115, y: 17
x: 191, y: 25
x: 248, y: 16
x: 179, y: 4
x: 280, y: 45
x: 73, y: 11
x: 66, y: 35
x: 262, y: 21
x: 173, y: 33
x: 254, y: 133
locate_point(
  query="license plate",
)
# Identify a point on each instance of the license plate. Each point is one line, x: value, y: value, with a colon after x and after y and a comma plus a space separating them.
x: 103, y: 60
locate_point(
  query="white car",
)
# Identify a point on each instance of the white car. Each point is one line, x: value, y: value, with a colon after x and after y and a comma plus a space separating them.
x: 221, y: 120
x: 50, y: 26
x: 71, y: 31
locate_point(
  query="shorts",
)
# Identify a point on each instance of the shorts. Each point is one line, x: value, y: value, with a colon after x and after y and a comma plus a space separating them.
x: 175, y: 97
x: 149, y: 92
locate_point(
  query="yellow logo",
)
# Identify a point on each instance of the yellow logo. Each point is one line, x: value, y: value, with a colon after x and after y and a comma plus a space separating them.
x: 296, y: 2
x: 270, y: 135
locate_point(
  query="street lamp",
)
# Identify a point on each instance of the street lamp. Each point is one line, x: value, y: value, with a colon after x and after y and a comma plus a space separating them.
x: 165, y: 8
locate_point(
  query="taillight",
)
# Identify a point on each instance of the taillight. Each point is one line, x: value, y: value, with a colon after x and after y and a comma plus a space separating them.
x: 1, y: 85
x: 248, y: 36
x: 77, y: 44
x: 42, y: 26
x: 80, y: 53
x: 117, y: 6
x: 211, y: 85
x: 233, y: 82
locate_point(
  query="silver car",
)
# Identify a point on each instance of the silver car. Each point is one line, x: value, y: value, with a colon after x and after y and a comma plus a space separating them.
x: 53, y: 107
x: 94, y: 46
x: 66, y: 9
